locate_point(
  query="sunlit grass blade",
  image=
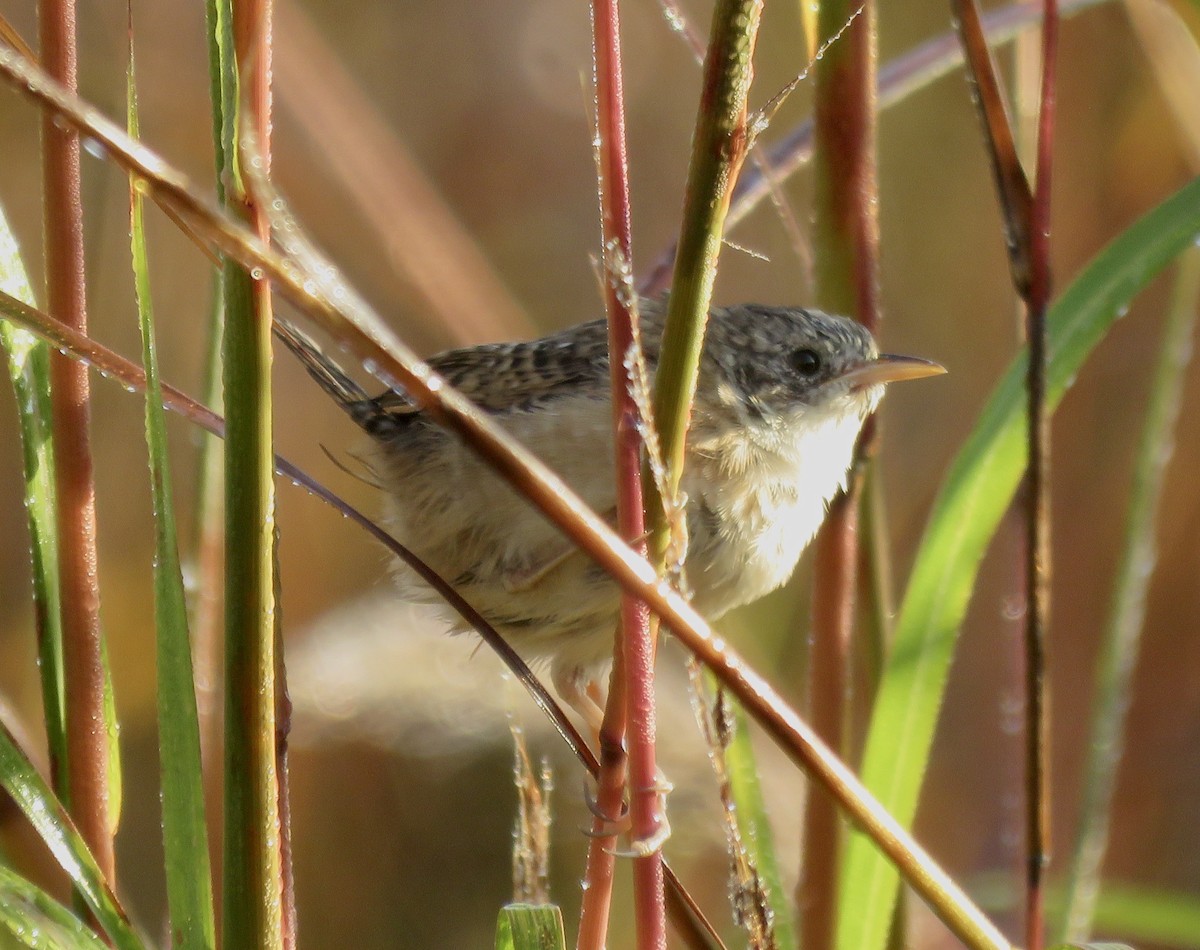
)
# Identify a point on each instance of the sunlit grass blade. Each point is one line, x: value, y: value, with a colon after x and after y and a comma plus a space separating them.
x: 112, y: 730
x: 29, y: 917
x: 973, y: 498
x: 33, y: 797
x: 185, y: 838
x: 29, y: 370
x: 530, y: 927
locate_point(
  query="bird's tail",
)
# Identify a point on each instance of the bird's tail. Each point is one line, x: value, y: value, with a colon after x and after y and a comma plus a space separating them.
x: 346, y: 392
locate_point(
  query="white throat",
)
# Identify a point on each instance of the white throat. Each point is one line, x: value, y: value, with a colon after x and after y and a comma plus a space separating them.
x: 768, y: 485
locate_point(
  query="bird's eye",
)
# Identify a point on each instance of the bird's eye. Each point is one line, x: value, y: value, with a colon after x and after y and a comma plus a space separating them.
x: 806, y: 362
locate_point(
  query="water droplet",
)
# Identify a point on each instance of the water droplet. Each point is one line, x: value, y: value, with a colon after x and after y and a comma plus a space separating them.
x: 1012, y: 607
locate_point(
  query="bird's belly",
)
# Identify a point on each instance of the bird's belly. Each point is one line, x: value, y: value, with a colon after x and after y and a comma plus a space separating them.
x: 750, y: 546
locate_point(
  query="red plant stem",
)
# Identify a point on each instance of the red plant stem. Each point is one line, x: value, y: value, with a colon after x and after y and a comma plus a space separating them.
x: 833, y: 622
x: 636, y: 638
x: 1037, y: 560
x: 847, y: 243
x: 611, y: 775
x: 83, y: 666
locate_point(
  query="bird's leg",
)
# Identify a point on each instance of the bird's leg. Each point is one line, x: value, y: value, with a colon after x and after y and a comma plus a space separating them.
x: 607, y: 721
x: 583, y: 696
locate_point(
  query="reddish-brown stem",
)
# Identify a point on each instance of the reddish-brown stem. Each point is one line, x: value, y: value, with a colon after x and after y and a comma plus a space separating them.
x: 1027, y: 223
x: 610, y: 800
x: 83, y: 666
x: 1037, y: 514
x: 833, y: 621
x: 635, y: 642
x: 847, y: 244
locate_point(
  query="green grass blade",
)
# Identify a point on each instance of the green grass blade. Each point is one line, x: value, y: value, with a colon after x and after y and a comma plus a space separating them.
x: 1120, y: 645
x: 1148, y: 915
x: 185, y: 838
x: 1141, y: 915
x: 1093, y: 946
x: 33, y: 797
x: 530, y: 927
x: 112, y: 731
x: 973, y: 498
x: 755, y: 826
x: 32, y: 918
x: 29, y: 370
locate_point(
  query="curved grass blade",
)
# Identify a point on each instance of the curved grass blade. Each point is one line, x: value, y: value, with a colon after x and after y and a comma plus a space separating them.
x: 185, y: 838
x: 29, y: 370
x: 1149, y: 915
x: 32, y: 918
x: 1121, y: 641
x: 973, y: 498
x: 35, y: 800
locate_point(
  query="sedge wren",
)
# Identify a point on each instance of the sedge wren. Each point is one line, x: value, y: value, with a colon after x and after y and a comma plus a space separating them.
x: 780, y: 400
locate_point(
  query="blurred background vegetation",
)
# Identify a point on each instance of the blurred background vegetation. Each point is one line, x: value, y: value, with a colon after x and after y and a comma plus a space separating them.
x: 478, y: 116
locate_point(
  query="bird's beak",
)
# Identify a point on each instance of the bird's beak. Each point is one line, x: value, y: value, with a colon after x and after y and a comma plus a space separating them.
x: 886, y: 368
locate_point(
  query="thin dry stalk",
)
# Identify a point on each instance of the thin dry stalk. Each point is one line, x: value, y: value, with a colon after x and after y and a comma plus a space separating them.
x: 88, y: 781
x: 748, y: 894
x: 531, y: 833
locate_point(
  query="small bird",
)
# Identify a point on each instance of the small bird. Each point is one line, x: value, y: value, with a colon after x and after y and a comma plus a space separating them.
x: 781, y: 397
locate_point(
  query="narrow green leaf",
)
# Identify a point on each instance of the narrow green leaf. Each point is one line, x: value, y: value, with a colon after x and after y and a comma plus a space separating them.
x: 530, y: 927
x: 755, y: 826
x: 112, y: 732
x: 1121, y: 641
x: 1093, y: 946
x: 31, y: 795
x: 968, y: 510
x: 185, y: 838
x: 34, y: 919
x: 252, y: 864
x: 1149, y: 915
x: 29, y: 370
x: 1141, y: 915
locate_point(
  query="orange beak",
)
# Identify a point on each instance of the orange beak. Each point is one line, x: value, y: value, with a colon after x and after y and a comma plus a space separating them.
x: 887, y: 368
